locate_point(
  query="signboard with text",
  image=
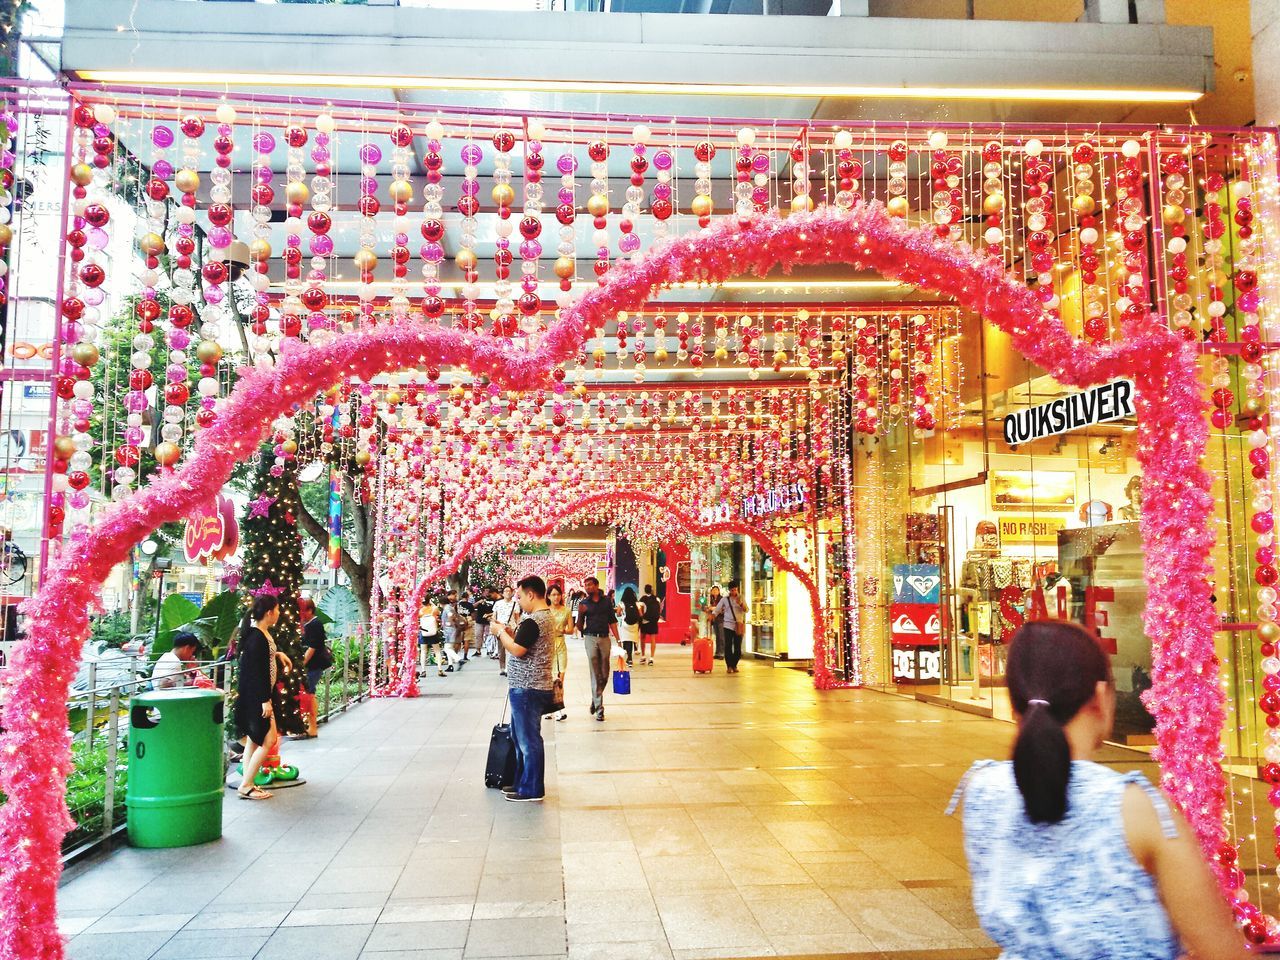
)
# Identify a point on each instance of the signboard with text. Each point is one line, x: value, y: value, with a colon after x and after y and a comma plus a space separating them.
x: 1026, y: 531
x: 211, y: 531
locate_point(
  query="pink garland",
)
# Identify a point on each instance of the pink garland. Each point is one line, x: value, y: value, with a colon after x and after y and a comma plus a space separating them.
x: 823, y: 678
x: 1185, y: 698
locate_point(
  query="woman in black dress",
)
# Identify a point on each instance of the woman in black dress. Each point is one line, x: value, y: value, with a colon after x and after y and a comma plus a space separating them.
x: 254, y: 719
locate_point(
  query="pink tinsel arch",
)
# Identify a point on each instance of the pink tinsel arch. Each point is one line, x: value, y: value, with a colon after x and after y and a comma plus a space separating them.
x: 1185, y: 697
x: 823, y: 678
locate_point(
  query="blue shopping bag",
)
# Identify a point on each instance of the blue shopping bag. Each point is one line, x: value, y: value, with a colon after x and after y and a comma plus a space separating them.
x: 622, y: 682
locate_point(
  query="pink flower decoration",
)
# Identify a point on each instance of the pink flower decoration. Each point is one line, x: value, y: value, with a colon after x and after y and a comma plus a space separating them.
x: 1185, y: 697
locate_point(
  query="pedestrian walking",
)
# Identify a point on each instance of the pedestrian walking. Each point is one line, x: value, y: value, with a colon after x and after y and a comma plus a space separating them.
x: 715, y: 622
x: 732, y: 613
x: 429, y: 637
x: 562, y: 625
x: 628, y: 613
x: 481, y: 612
x: 597, y: 622
x: 530, y: 681
x: 454, y: 625
x: 1071, y: 858
x: 650, y: 612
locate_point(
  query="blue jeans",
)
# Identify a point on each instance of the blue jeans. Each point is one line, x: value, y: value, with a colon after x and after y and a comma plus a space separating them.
x: 527, y: 709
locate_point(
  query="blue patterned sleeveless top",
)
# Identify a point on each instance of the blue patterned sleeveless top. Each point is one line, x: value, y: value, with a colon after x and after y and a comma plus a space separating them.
x: 1069, y: 890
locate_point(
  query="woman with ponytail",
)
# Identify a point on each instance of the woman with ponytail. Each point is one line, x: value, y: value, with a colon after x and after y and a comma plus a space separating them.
x: 1072, y: 859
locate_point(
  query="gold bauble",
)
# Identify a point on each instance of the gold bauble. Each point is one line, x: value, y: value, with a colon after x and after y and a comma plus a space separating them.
x: 1269, y: 631
x: 837, y: 356
x: 898, y: 207
x: 167, y: 453
x: 564, y: 267
x: 208, y: 351
x: 290, y: 447
x: 597, y: 205
x: 580, y: 390
x: 152, y: 244
x: 259, y: 250
x: 702, y: 205
x: 780, y: 356
x: 188, y: 181
x: 393, y: 396
x: 660, y: 354
x: 296, y: 192
x: 1251, y: 407
x: 401, y: 191
x: 503, y: 194
x: 1172, y: 213
x: 64, y: 448
x: 81, y: 174
x: 722, y: 353
x: 801, y: 203
x: 992, y: 204
x: 85, y: 354
x: 598, y: 354
x: 466, y: 260
x: 365, y: 260
x: 1083, y: 204
x: 363, y: 457
x: 6, y: 234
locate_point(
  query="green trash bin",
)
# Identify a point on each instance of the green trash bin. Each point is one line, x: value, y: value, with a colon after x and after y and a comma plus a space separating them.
x: 175, y: 787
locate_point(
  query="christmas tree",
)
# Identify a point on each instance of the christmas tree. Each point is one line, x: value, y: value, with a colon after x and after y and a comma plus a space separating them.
x: 273, y: 565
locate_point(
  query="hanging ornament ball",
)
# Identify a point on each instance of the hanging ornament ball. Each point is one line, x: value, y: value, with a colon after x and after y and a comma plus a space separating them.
x: 225, y: 113
x: 188, y: 181
x: 209, y: 351
x: 64, y: 448
x: 1083, y: 204
x: 167, y: 453
x: 85, y: 354
x: 898, y: 207
x: 937, y: 140
x: 1131, y: 148
x: 1033, y: 148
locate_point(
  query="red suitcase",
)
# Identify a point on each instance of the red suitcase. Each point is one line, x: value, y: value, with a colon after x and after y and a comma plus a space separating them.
x: 702, y: 656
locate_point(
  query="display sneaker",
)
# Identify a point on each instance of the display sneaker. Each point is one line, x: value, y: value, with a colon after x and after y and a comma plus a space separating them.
x: 520, y: 798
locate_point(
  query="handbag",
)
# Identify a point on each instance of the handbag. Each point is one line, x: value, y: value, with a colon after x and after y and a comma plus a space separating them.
x: 622, y: 682
x: 557, y: 695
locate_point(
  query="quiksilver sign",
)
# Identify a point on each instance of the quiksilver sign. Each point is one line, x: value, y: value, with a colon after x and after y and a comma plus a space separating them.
x: 1100, y: 404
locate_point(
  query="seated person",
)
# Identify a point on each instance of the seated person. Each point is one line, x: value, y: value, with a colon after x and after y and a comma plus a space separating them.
x: 168, y: 671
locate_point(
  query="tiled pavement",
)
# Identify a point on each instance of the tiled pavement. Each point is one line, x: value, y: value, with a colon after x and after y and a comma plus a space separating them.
x: 708, y: 817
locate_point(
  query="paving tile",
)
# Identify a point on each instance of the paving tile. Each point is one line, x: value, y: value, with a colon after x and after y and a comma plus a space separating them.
x: 237, y: 920
x: 454, y: 954
x: 418, y: 935
x: 426, y: 910
x: 213, y: 945
x: 333, y: 916
x: 628, y: 931
x: 141, y: 923
x: 497, y: 910
x: 523, y: 935
x: 654, y: 950
x: 311, y: 943
x: 715, y: 919
x: 116, y: 946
